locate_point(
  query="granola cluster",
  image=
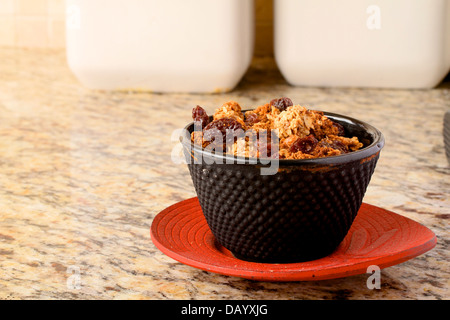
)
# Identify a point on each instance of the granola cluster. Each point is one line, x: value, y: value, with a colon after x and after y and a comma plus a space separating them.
x: 278, y: 129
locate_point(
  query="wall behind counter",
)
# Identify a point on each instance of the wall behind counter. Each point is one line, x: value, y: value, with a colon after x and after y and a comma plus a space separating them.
x: 41, y: 24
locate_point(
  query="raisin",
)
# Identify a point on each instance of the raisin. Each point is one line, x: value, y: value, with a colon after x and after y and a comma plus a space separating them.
x: 305, y: 145
x: 224, y: 126
x: 340, y: 146
x: 340, y: 129
x: 251, y: 118
x: 199, y: 115
x: 282, y: 103
x: 337, y: 145
x: 265, y: 143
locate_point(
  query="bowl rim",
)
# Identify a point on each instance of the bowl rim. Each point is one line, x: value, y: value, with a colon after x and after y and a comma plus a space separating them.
x: 370, y: 150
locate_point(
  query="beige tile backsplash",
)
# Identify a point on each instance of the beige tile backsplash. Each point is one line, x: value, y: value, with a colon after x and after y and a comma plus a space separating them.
x: 32, y: 23
x: 40, y: 23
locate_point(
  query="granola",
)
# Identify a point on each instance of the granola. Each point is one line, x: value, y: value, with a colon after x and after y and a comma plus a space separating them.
x: 278, y: 129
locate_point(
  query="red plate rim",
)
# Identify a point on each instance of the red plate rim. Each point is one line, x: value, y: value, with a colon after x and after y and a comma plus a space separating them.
x: 377, y: 237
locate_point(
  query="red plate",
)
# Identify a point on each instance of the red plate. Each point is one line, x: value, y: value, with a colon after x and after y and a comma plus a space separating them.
x: 377, y: 237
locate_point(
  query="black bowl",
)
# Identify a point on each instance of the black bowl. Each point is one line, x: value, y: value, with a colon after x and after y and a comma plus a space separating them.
x: 300, y: 213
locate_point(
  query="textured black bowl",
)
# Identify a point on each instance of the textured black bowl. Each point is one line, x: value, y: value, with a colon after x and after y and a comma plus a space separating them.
x: 301, y: 213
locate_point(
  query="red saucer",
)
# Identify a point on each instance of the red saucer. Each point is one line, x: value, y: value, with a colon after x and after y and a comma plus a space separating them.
x: 377, y: 237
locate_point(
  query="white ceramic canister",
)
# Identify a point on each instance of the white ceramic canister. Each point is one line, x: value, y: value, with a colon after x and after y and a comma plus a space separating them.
x: 363, y: 43
x: 160, y: 45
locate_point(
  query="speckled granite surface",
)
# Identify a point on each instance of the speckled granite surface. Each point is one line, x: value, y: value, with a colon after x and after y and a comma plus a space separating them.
x: 83, y: 173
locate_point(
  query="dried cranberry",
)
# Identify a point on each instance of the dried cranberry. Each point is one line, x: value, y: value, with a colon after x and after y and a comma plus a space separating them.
x: 305, y: 145
x: 224, y: 126
x: 282, y: 103
x: 199, y: 115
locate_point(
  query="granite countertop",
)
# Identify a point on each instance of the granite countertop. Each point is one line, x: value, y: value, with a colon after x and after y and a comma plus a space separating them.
x: 83, y: 174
